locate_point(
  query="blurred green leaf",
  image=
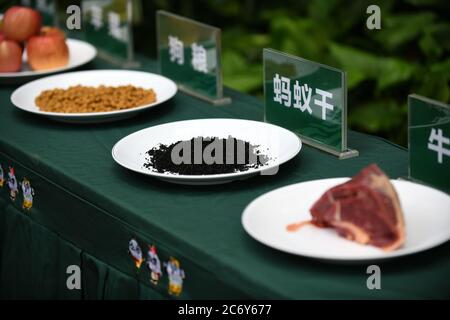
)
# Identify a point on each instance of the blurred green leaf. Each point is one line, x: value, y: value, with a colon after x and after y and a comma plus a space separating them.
x: 442, y: 67
x: 300, y: 37
x: 392, y: 71
x: 440, y: 32
x: 435, y: 86
x: 238, y: 74
x: 378, y: 116
x: 429, y: 46
x: 398, y: 30
x: 358, y: 64
x: 361, y: 65
x: 424, y: 2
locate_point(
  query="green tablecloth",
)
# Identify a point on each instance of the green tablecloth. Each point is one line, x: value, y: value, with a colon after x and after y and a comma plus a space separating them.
x: 86, y: 209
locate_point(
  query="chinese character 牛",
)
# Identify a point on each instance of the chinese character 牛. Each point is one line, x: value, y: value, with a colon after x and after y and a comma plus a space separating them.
x: 436, y: 135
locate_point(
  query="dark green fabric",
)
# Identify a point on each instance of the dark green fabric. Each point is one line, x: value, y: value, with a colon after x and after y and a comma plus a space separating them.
x: 33, y: 260
x: 2, y: 227
x: 86, y: 225
x: 85, y: 199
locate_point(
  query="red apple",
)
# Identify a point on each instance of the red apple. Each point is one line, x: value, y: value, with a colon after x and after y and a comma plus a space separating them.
x: 47, y: 52
x: 10, y: 56
x: 20, y: 23
x: 2, y: 36
x: 49, y: 31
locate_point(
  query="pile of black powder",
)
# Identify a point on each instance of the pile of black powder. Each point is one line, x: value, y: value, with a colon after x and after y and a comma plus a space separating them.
x: 241, y: 156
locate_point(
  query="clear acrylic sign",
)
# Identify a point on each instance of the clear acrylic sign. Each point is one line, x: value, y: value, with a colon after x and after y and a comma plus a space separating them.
x: 429, y: 141
x: 47, y: 8
x: 189, y: 54
x: 107, y: 24
x: 309, y: 99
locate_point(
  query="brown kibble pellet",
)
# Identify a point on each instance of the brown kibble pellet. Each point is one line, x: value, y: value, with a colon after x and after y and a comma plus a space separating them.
x: 83, y: 99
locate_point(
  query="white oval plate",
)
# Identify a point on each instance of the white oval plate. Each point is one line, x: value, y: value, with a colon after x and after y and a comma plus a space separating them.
x: 426, y: 212
x: 283, y: 145
x: 23, y: 98
x: 80, y: 53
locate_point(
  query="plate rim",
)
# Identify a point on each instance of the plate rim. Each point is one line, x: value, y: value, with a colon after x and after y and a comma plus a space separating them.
x: 197, y: 178
x: 31, y: 73
x: 336, y: 258
x: 16, y: 92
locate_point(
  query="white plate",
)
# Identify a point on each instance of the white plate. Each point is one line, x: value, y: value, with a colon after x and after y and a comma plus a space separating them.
x: 23, y: 98
x: 426, y: 212
x: 80, y: 53
x: 283, y: 145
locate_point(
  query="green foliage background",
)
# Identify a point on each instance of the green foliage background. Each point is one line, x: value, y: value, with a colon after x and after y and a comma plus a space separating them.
x: 410, y: 54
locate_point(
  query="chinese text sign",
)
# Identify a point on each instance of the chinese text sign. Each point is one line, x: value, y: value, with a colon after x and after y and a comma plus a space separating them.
x: 189, y: 54
x: 107, y: 26
x: 307, y: 98
x: 45, y: 7
x: 429, y: 141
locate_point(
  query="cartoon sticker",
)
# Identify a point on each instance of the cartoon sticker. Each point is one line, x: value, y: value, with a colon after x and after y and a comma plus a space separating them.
x: 176, y: 276
x: 12, y: 184
x: 2, y: 177
x: 136, y: 253
x: 28, y: 193
x: 153, y: 264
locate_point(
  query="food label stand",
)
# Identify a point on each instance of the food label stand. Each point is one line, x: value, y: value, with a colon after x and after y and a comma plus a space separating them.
x: 309, y: 99
x: 108, y: 26
x: 429, y: 142
x: 46, y: 7
x: 189, y: 52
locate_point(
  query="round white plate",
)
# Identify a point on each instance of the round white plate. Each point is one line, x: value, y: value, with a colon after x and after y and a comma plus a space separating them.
x: 23, y: 98
x: 282, y: 145
x: 426, y: 212
x: 80, y: 53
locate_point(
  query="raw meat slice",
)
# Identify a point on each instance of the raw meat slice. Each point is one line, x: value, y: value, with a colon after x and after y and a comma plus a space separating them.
x: 366, y: 209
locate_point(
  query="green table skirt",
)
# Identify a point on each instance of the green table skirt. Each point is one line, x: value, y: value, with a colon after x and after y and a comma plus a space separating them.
x: 34, y: 262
